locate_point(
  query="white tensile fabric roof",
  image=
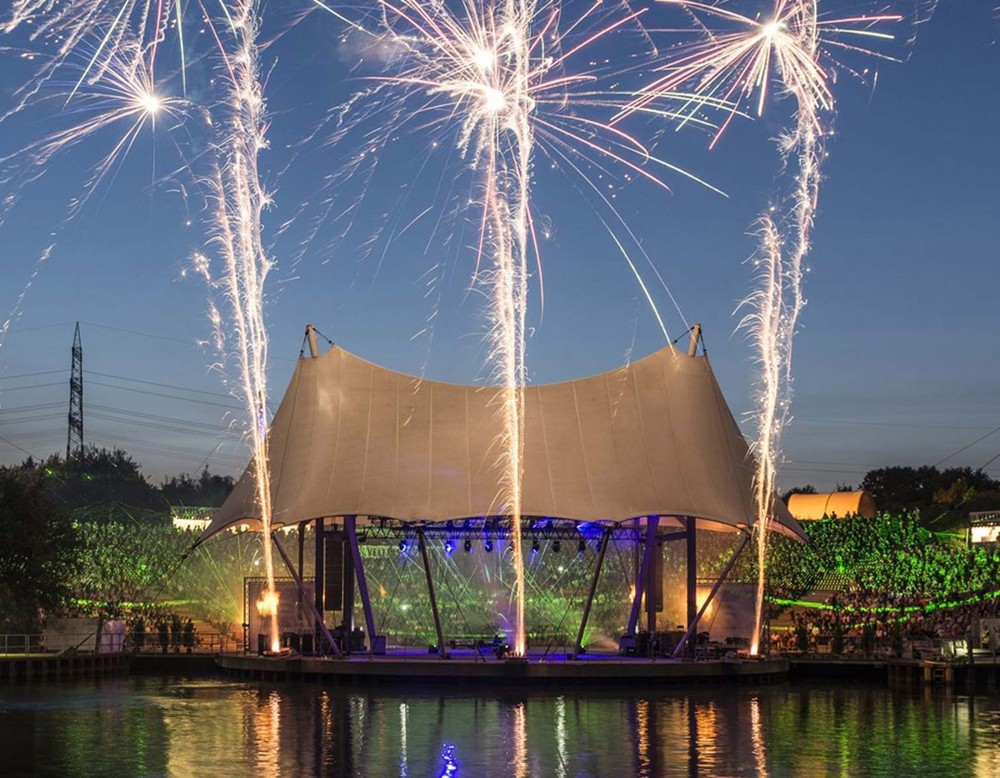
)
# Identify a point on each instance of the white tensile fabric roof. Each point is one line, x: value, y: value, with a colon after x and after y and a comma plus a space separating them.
x: 652, y: 438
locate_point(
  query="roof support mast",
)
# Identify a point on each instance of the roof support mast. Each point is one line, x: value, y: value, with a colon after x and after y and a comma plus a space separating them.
x: 652, y: 524
x: 695, y: 339
x: 311, y: 337
x: 442, y: 652
x: 578, y: 646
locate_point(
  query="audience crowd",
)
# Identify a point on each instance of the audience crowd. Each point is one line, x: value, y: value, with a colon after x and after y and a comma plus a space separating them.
x: 891, y: 586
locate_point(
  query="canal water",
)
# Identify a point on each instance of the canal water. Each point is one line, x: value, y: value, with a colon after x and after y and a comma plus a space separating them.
x: 142, y: 726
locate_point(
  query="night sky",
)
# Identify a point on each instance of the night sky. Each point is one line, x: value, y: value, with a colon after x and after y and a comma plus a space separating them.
x: 897, y: 360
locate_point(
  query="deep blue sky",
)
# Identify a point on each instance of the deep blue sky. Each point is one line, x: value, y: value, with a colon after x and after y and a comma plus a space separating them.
x: 896, y: 363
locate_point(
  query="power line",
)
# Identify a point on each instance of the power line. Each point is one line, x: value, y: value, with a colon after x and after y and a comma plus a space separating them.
x: 154, y: 426
x: 168, y: 396
x: 185, y: 455
x: 33, y: 386
x: 30, y: 375
x: 156, y: 383
x: 39, y: 417
x: 156, y: 417
x: 10, y: 442
x: 116, y: 440
x: 904, y: 425
x: 138, y: 333
x: 232, y: 407
x: 22, y: 408
x: 966, y: 447
x: 154, y: 336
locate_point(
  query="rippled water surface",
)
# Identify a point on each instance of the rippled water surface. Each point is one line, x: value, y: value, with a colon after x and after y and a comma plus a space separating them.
x: 207, y: 727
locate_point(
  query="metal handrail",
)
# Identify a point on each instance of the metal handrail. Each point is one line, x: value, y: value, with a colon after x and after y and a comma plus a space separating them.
x: 23, y: 644
x: 203, y: 643
x: 19, y: 643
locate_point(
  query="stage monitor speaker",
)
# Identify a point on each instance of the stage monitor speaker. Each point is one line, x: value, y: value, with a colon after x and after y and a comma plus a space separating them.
x: 333, y: 578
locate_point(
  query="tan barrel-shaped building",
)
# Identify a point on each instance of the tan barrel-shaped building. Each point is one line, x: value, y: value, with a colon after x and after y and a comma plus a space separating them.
x: 833, y: 505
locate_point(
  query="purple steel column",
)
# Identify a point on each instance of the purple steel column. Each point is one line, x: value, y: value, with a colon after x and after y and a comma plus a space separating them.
x: 692, y: 578
x: 651, y: 594
x: 652, y: 524
x: 593, y: 589
x: 430, y: 590
x: 350, y: 524
x: 711, y: 596
x: 302, y: 594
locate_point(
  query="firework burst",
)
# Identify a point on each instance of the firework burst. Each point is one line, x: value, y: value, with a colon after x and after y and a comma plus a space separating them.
x: 66, y: 27
x: 499, y: 79
x: 795, y: 48
x: 110, y: 47
x: 123, y: 103
x: 741, y: 58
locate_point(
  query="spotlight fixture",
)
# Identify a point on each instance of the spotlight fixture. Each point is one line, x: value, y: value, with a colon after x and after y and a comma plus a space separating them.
x: 581, y: 547
x: 488, y: 545
x: 535, y: 545
x: 402, y: 545
x: 557, y: 546
x: 468, y: 546
x: 449, y: 546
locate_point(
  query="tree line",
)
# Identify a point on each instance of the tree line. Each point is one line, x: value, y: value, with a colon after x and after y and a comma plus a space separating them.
x: 51, y: 513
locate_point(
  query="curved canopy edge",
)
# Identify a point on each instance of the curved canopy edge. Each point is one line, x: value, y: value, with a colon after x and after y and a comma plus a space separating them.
x: 654, y: 437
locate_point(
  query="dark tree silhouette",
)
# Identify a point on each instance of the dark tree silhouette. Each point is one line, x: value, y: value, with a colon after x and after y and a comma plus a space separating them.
x: 37, y: 554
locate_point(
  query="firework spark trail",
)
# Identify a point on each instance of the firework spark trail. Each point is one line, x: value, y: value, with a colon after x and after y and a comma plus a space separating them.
x: 117, y: 41
x: 789, y: 46
x: 497, y: 77
x: 239, y: 201
x: 66, y: 26
x: 501, y: 132
x: 124, y: 101
x: 768, y: 326
x: 15, y: 312
x: 125, y: 97
x: 803, y: 77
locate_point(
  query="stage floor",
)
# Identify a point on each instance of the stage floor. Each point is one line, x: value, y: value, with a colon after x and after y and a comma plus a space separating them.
x: 463, y: 666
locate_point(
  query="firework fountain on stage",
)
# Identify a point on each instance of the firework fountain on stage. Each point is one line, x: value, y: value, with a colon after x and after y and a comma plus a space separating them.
x: 793, y: 47
x: 501, y: 79
x: 239, y: 201
x: 111, y: 48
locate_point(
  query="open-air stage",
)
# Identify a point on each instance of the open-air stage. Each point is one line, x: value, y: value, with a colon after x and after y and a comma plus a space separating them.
x: 638, y: 457
x: 467, y: 667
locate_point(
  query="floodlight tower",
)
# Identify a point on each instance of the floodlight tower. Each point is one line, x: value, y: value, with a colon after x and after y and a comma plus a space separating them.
x: 74, y: 436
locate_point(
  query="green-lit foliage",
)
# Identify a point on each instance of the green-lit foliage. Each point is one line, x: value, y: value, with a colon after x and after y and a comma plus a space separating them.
x: 126, y: 566
x: 37, y: 553
x: 131, y: 568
